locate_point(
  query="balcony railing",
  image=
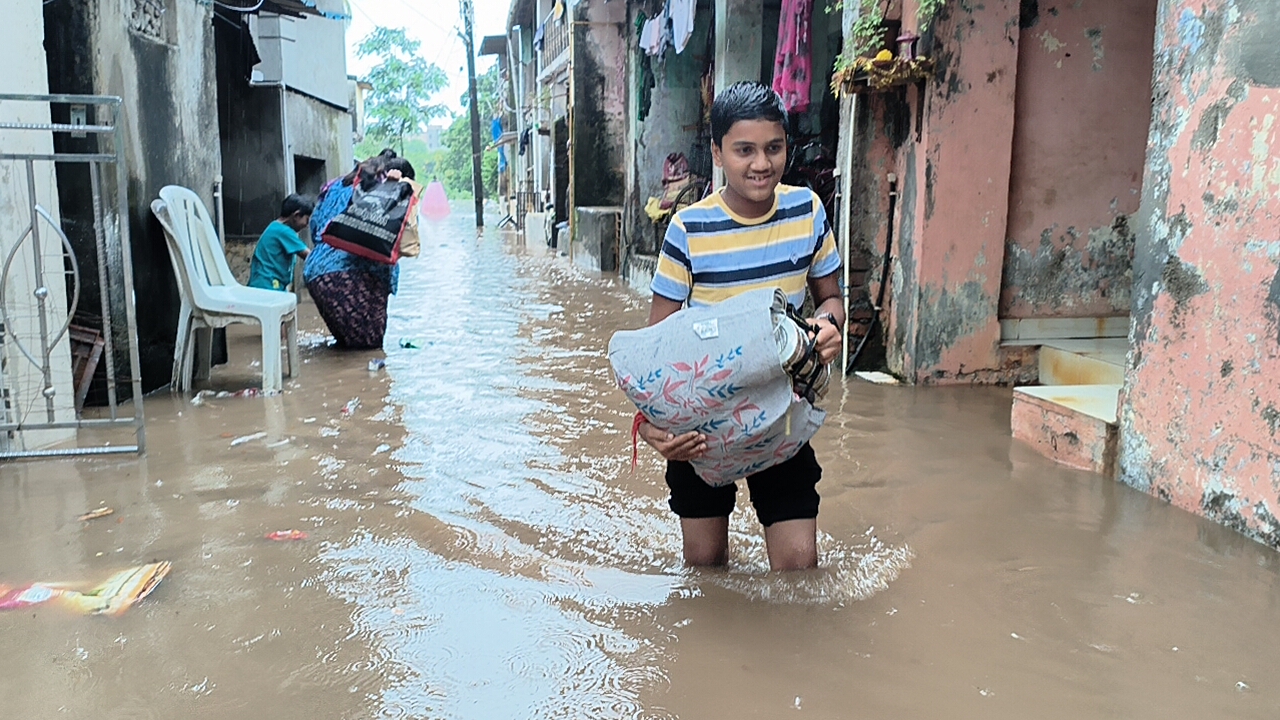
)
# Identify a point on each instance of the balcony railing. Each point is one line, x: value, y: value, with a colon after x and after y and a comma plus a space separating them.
x: 555, y: 40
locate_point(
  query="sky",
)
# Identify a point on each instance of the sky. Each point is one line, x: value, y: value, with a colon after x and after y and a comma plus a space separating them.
x: 436, y: 24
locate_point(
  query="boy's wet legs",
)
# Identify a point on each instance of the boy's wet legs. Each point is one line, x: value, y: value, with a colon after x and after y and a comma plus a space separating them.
x: 792, y: 544
x: 706, y: 541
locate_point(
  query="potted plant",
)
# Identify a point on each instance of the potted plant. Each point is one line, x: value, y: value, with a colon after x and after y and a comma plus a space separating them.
x: 867, y: 65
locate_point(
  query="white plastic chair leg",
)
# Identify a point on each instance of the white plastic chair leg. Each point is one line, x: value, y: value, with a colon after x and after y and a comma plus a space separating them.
x: 178, y: 380
x: 204, y: 353
x: 272, y: 377
x: 291, y: 344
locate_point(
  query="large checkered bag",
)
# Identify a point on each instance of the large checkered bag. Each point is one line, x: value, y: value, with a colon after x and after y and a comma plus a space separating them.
x: 716, y: 370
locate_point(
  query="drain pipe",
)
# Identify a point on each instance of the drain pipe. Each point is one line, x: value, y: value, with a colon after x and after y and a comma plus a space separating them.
x: 884, y: 275
x: 222, y: 218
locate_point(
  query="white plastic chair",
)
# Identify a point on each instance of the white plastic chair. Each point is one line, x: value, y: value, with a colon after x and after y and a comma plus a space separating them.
x: 213, y: 298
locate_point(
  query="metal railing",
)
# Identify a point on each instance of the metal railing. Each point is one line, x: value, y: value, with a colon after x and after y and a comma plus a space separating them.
x: 38, y: 342
x: 555, y: 40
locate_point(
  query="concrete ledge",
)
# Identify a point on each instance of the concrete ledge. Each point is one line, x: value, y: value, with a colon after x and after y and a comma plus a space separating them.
x: 1073, y: 425
x: 1067, y: 366
x: 595, y: 238
x: 638, y: 272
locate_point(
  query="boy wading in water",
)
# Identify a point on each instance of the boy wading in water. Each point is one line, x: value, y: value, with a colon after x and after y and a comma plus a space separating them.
x: 752, y: 233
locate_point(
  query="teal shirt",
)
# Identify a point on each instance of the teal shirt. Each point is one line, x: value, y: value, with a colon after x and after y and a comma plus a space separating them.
x: 272, y: 265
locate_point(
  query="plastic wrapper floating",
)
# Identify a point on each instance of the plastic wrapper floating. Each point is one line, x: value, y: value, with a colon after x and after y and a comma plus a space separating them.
x: 120, y: 592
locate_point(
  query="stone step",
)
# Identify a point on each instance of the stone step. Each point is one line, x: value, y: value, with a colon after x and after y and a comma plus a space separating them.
x: 1072, y: 424
x: 1083, y: 362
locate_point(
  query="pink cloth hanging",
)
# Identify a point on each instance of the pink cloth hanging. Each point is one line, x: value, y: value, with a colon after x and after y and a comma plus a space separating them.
x: 793, y: 62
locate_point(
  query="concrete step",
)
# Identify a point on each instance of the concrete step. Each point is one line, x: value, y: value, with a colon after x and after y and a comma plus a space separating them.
x: 1072, y: 424
x: 1083, y: 362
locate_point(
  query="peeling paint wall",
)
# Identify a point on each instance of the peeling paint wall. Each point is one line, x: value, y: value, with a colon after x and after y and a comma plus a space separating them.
x: 955, y: 188
x: 599, y: 87
x: 1081, y: 120
x: 1200, y: 413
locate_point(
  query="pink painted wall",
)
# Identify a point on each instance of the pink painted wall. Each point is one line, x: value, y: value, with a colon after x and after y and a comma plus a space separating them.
x: 1082, y: 113
x: 1200, y: 414
x: 955, y: 188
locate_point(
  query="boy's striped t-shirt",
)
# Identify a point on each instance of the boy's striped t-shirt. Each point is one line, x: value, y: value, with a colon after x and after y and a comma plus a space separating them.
x: 711, y: 254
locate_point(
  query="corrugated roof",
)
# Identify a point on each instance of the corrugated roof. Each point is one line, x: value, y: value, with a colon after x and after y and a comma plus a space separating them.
x: 493, y: 45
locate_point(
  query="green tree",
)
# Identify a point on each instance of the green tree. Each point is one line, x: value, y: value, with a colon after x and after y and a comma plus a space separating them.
x: 453, y: 168
x: 403, y: 85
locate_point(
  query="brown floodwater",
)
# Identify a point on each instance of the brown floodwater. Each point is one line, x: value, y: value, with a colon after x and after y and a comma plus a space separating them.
x: 479, y: 547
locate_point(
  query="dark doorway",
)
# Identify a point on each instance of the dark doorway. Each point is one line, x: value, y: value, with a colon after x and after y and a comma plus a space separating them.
x: 561, y: 140
x: 308, y: 175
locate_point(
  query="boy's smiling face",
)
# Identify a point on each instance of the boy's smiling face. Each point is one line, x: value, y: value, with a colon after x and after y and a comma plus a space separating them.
x: 753, y: 154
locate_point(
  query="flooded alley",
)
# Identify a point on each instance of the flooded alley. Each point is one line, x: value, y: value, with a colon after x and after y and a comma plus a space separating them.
x: 478, y: 547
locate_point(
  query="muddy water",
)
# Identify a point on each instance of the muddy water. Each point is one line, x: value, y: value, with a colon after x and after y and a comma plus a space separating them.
x: 479, y: 547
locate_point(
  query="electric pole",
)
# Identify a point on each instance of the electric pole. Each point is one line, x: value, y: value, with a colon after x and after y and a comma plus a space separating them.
x: 468, y: 39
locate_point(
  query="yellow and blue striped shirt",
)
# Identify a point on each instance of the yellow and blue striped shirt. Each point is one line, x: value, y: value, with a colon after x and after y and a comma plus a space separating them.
x: 711, y: 254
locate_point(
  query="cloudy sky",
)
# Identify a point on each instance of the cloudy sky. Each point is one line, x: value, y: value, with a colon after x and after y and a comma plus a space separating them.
x: 433, y: 22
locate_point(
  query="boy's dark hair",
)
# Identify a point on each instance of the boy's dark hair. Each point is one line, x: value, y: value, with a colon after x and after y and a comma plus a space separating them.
x: 745, y: 101
x: 296, y: 204
x: 404, y: 166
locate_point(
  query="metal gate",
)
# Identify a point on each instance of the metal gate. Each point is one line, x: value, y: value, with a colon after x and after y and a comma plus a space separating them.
x: 44, y: 354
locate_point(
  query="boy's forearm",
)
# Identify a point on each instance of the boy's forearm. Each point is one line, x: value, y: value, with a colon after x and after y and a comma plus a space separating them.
x: 834, y: 307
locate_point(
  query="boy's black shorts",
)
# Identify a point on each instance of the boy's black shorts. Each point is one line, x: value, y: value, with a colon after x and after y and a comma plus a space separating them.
x: 783, y: 492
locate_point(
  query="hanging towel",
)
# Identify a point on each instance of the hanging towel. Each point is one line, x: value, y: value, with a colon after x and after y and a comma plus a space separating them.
x: 793, y: 62
x: 653, y: 38
x: 682, y: 12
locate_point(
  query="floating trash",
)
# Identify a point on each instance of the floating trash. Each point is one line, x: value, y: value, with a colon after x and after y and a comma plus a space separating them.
x: 112, y: 597
x: 99, y: 513
x: 286, y: 535
x: 248, y: 438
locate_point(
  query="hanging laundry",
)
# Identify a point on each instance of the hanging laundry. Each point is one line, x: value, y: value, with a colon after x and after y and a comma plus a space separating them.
x: 645, y: 81
x: 682, y: 13
x: 540, y: 37
x: 495, y: 129
x: 653, y: 38
x: 793, y: 62
x: 525, y: 138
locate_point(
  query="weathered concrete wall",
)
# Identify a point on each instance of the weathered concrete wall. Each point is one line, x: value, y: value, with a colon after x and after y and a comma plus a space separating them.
x: 1200, y: 414
x: 308, y: 54
x: 22, y: 54
x: 1080, y: 132
x: 321, y: 131
x: 165, y: 75
x: 599, y: 86
x: 955, y: 187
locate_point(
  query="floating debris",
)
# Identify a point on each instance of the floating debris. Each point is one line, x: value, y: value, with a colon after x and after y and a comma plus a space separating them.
x: 248, y: 438
x: 350, y: 408
x: 286, y: 535
x: 99, y: 513
x: 377, y: 364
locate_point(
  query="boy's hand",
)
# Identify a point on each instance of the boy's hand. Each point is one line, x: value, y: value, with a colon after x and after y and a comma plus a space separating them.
x: 672, y: 447
x: 830, y: 339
